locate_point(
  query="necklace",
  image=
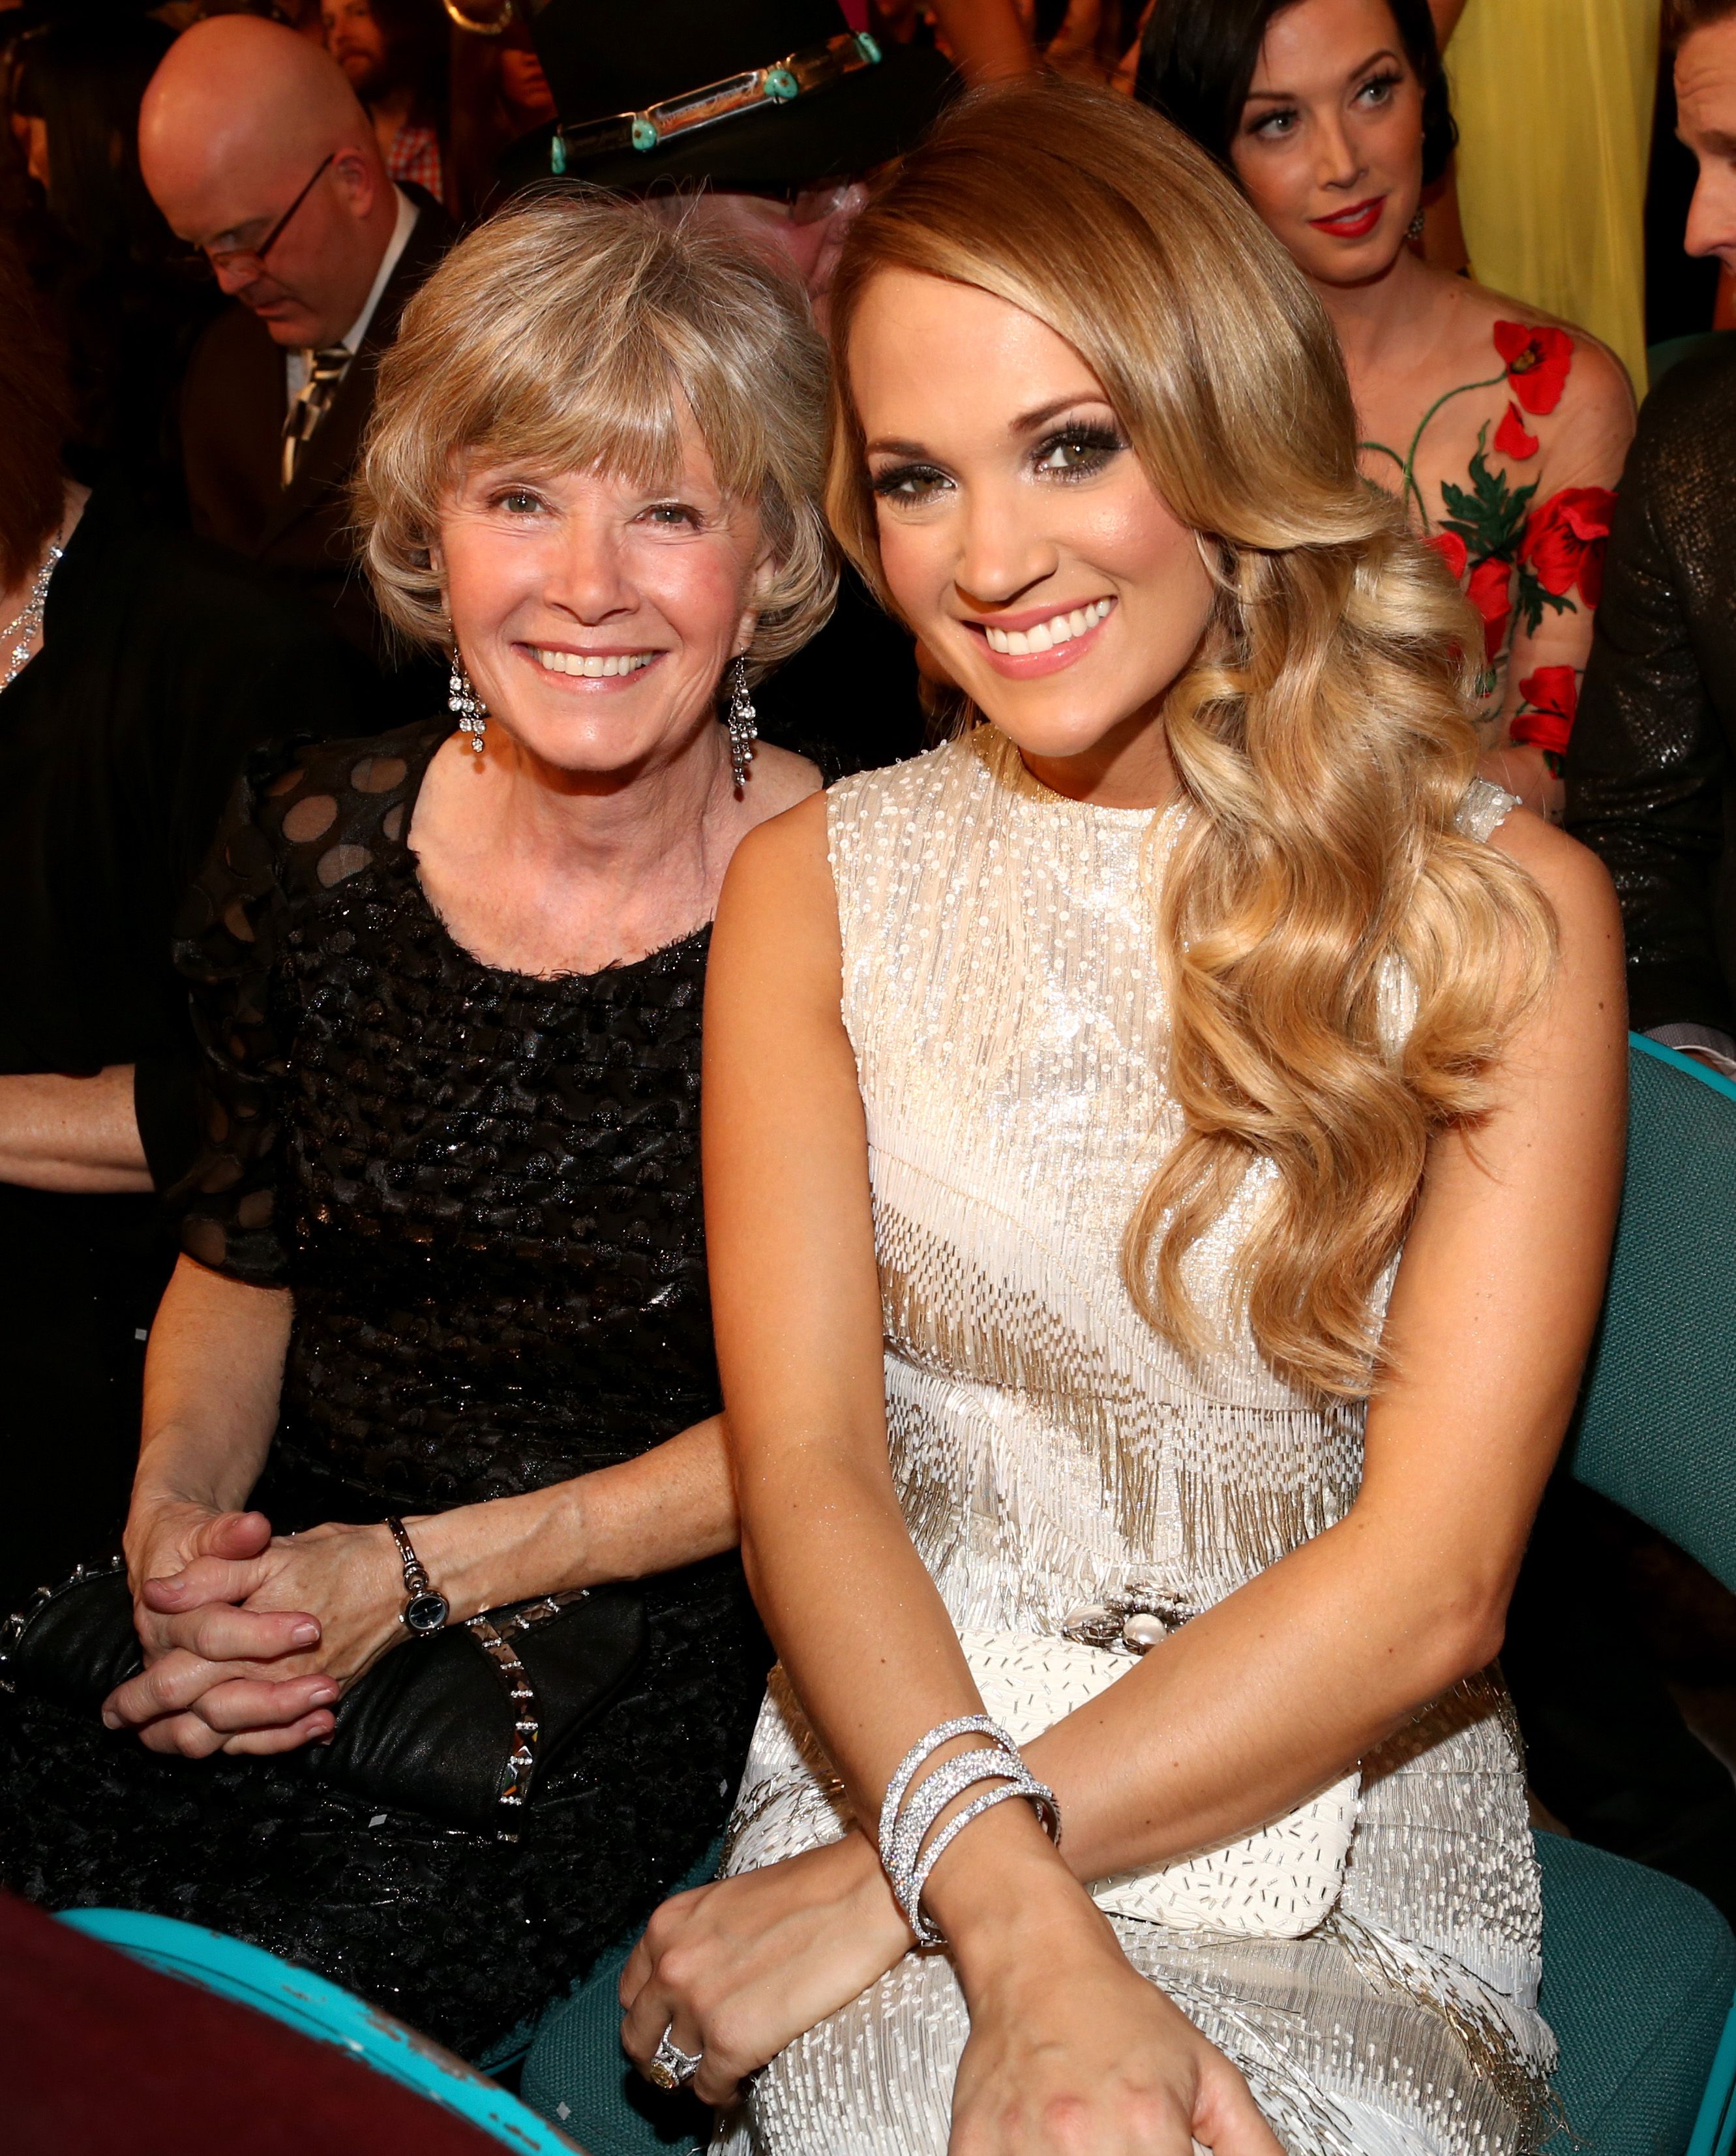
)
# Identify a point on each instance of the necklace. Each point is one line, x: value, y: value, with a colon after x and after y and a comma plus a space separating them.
x: 29, y: 623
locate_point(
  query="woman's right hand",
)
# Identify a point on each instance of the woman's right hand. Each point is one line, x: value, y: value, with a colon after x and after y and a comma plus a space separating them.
x: 211, y: 1662
x: 1072, y: 2052
x: 738, y: 1970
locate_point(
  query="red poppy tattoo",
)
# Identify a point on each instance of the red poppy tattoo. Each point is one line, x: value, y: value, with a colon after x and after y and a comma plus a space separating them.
x: 1511, y: 438
x: 1566, y: 539
x: 1538, y: 361
x: 1552, y: 694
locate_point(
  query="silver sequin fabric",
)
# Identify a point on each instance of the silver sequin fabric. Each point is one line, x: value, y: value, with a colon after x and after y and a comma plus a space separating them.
x: 1001, y: 996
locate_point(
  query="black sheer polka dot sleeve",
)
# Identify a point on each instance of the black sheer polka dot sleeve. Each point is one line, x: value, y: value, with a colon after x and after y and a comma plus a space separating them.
x: 300, y: 821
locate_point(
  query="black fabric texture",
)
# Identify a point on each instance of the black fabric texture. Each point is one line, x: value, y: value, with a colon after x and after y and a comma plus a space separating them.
x: 483, y: 1190
x: 162, y: 663
x: 1649, y: 770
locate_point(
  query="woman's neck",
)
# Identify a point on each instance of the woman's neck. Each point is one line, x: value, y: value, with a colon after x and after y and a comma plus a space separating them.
x: 612, y: 826
x: 540, y: 871
x: 1375, y: 321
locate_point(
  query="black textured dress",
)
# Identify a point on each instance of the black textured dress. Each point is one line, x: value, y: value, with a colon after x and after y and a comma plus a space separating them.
x: 483, y: 1190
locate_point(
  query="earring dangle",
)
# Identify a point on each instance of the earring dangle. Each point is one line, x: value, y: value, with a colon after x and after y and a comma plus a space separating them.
x: 743, y: 732
x: 461, y: 697
x: 1415, y: 230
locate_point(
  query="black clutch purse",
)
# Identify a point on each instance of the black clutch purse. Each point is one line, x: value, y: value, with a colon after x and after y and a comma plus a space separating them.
x: 463, y: 1728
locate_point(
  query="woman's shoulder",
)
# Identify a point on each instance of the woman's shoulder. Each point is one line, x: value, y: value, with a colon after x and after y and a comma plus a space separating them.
x: 350, y: 791
x: 919, y: 783
x: 1551, y: 367
x: 304, y: 815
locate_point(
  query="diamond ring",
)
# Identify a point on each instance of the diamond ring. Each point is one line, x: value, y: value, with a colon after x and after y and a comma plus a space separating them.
x: 671, y: 2067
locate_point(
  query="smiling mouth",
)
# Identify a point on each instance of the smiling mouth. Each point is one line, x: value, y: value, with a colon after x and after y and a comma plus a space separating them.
x: 594, y: 667
x: 1044, y: 636
x: 1353, y: 223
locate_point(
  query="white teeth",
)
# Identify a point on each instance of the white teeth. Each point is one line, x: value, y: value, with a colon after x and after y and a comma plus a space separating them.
x: 1061, y: 629
x: 594, y: 669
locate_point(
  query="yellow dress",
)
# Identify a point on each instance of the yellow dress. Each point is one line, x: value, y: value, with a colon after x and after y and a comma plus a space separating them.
x: 1554, y: 100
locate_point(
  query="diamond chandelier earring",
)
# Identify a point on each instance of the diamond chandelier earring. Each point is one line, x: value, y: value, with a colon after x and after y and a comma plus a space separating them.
x: 743, y: 732
x: 1415, y: 229
x: 461, y: 697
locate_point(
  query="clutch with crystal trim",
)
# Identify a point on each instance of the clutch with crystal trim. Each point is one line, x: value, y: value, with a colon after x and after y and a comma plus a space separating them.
x: 1276, y: 1884
x: 463, y: 1728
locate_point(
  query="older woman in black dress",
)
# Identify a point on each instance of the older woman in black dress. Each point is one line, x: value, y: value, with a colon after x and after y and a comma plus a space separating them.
x: 443, y: 1255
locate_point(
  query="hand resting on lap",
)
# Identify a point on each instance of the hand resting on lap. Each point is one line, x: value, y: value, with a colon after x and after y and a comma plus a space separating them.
x: 249, y: 1639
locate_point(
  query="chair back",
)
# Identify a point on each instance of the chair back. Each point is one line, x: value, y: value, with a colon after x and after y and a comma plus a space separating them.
x: 1655, y: 1429
x: 234, y: 1970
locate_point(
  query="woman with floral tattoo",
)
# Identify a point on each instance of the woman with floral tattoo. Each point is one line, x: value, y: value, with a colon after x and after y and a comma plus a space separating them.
x: 1503, y: 432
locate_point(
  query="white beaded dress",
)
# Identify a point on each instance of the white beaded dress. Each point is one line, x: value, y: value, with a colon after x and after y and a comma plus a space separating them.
x: 1051, y: 1450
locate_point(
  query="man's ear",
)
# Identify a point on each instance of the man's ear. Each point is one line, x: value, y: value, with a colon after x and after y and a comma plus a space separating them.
x: 357, y: 182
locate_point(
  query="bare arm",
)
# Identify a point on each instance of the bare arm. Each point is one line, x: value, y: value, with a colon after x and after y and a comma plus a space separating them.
x: 1287, y: 1683
x: 1446, y: 14
x: 219, y: 1598
x: 71, y: 1134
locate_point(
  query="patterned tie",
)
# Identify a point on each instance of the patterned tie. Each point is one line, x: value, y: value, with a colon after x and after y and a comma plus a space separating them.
x: 325, y: 371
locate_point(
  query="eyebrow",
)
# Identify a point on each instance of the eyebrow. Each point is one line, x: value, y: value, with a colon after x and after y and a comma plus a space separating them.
x: 1027, y: 423
x: 1386, y: 52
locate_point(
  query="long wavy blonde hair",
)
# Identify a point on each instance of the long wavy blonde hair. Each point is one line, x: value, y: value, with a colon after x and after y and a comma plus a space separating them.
x: 1321, y: 736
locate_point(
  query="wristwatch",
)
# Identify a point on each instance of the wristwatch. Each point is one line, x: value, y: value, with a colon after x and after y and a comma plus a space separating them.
x: 425, y: 1609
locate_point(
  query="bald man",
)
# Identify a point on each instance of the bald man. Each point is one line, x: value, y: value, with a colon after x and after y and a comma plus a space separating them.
x: 255, y: 150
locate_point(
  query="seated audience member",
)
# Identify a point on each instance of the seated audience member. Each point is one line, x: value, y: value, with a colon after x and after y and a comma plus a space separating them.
x: 1651, y: 775
x: 499, y: 95
x: 257, y: 153
x: 788, y: 177
x: 1073, y: 1295
x: 394, y: 52
x: 1500, y: 430
x: 136, y: 667
x: 443, y: 1257
x: 104, y: 255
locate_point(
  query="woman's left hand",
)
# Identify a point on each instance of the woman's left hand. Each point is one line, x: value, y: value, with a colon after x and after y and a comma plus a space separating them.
x: 202, y: 1695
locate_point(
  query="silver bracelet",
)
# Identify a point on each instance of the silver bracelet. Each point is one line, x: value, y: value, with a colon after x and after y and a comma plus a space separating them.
x: 908, y: 1815
x: 927, y: 1802
x: 961, y: 1725
x: 1024, y: 1784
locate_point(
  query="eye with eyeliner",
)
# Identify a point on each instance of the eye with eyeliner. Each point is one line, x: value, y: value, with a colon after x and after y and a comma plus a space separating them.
x: 1386, y: 83
x: 1076, y: 452
x: 909, y: 485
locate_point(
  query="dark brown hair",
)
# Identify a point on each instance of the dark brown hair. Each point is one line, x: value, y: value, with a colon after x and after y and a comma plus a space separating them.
x: 1682, y: 16
x: 1197, y: 57
x: 35, y: 416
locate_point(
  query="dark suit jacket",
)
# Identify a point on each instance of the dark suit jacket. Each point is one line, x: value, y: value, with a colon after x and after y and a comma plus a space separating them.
x: 1652, y: 766
x: 232, y: 415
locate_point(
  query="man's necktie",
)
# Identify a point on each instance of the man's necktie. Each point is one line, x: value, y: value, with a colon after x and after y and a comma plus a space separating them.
x: 325, y: 369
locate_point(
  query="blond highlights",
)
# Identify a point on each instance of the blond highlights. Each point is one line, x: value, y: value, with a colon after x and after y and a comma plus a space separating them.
x: 1323, y: 737
x: 571, y: 333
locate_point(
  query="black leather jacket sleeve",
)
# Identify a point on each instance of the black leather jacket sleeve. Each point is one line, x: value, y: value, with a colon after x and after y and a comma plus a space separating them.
x: 1649, y: 769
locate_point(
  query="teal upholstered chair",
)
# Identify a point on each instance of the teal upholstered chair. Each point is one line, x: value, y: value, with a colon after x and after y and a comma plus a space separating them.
x: 325, y: 2012
x: 1638, y: 1969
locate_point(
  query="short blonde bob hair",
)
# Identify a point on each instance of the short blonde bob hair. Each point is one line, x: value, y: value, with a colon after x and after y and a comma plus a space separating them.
x: 573, y: 332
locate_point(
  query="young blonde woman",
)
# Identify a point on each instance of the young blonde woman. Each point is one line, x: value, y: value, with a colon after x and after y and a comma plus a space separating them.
x: 1501, y: 431
x: 1131, y: 1139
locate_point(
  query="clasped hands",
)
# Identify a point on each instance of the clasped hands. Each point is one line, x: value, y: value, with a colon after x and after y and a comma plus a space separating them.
x: 250, y: 1639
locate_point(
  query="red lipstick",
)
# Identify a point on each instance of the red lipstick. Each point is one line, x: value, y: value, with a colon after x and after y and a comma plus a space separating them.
x: 1356, y: 222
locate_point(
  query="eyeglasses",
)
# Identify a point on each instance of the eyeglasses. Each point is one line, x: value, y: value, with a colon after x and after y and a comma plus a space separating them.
x: 251, y: 261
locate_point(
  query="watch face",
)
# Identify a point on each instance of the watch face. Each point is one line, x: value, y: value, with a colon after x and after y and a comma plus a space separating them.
x: 427, y: 1612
